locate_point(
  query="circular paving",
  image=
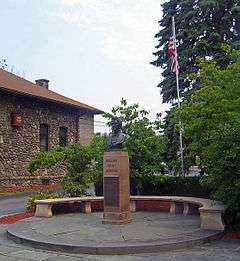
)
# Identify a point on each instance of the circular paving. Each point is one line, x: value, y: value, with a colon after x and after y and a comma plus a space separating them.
x: 85, y: 233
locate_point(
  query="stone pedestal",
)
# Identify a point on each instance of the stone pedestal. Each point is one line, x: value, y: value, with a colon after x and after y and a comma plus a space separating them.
x: 116, y: 188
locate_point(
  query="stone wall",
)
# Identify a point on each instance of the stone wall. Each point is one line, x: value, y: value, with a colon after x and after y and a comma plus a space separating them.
x: 19, y: 145
x: 86, y: 128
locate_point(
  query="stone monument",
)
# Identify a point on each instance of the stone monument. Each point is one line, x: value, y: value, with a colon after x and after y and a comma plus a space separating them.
x: 116, y: 187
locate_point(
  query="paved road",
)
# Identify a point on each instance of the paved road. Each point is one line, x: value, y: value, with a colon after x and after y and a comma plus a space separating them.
x: 12, y: 204
x: 15, y: 204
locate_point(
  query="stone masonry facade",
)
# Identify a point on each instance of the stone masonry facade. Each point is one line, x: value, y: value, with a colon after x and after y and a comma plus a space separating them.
x: 18, y: 146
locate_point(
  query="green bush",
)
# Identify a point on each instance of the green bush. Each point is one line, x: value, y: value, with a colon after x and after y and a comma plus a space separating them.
x: 174, y: 186
x: 211, y: 122
x: 41, y: 195
x: 80, y: 163
x: 79, y: 171
x: 164, y: 186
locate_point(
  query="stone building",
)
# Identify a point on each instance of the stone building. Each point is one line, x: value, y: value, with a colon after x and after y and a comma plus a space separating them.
x: 34, y: 118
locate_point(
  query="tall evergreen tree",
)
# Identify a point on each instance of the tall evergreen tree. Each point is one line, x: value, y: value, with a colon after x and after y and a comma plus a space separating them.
x: 202, y: 26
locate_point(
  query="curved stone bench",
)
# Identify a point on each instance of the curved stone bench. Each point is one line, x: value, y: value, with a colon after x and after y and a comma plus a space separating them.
x: 44, y: 206
x: 210, y: 211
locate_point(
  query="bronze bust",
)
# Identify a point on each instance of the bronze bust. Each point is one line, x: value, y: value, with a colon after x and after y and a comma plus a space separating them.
x: 117, y: 137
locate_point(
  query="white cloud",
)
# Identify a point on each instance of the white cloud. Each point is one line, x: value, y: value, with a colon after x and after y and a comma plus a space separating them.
x: 126, y: 27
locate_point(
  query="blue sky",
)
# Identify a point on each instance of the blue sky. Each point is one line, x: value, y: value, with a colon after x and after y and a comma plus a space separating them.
x: 95, y: 51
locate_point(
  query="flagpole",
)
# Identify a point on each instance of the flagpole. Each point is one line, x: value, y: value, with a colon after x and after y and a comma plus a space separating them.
x: 178, y: 97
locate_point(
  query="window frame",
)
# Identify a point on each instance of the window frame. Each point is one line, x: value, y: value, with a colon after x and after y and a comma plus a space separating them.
x: 44, y: 137
x: 63, y: 139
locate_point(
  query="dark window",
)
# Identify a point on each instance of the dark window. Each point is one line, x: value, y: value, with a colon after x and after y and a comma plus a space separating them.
x: 63, y: 136
x: 44, y: 136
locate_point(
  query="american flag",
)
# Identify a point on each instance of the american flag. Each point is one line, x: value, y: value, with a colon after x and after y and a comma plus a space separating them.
x: 172, y: 52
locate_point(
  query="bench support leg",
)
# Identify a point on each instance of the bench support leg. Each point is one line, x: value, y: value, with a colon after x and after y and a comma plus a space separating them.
x: 133, y: 206
x: 86, y: 207
x: 212, y: 220
x: 176, y: 208
x: 190, y: 209
x: 43, y: 210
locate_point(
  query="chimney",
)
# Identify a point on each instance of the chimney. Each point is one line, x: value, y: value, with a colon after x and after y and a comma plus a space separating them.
x: 43, y: 83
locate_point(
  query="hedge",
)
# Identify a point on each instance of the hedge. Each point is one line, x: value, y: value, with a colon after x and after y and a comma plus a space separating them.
x: 165, y: 185
x: 173, y: 186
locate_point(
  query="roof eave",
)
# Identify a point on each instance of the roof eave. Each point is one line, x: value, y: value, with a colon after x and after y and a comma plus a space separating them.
x: 91, y: 110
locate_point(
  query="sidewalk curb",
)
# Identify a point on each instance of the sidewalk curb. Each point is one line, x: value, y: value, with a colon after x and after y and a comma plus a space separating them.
x: 10, y: 214
x: 21, y: 216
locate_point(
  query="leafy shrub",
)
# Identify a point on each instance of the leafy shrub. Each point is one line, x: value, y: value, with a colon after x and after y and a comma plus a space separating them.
x: 80, y: 171
x: 49, y: 158
x: 41, y: 195
x: 211, y: 122
x: 81, y: 163
x: 165, y: 185
x: 174, y: 186
x: 145, y: 144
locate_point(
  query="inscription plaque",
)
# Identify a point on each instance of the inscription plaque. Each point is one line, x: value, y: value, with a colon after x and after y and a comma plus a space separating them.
x: 111, y: 191
x: 111, y: 167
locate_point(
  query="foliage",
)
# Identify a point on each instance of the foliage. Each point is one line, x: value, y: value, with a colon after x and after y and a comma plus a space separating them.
x: 201, y: 29
x: 171, y: 153
x: 50, y: 158
x: 41, y: 195
x: 85, y: 166
x: 174, y: 186
x: 211, y: 120
x: 99, y: 145
x: 160, y: 185
x: 80, y: 162
x: 80, y: 171
x: 145, y: 146
x: 3, y: 64
x: 145, y: 143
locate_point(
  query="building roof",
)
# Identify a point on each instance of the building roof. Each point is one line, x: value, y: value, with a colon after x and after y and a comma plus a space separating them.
x: 12, y: 83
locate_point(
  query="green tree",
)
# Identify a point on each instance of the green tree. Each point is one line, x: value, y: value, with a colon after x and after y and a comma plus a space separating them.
x: 145, y: 144
x: 83, y: 163
x: 171, y: 153
x: 211, y: 120
x: 3, y: 64
x: 99, y: 146
x: 202, y: 26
